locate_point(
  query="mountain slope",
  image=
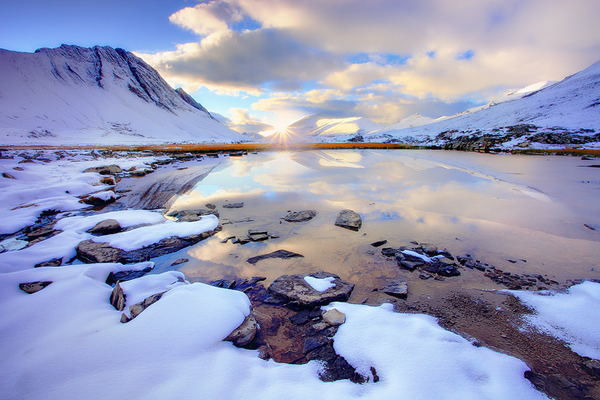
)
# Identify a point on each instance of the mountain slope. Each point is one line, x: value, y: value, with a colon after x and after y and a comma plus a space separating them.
x: 100, y: 95
x: 568, y: 107
x: 322, y: 128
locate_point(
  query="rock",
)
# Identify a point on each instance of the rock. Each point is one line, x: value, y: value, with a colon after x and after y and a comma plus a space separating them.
x: 349, y: 219
x: 334, y: 317
x: 100, y: 199
x: 379, y: 243
x: 113, y: 278
x: 89, y: 251
x: 105, y: 170
x: 396, y: 288
x: 8, y: 176
x: 300, y: 216
x: 245, y: 333
x: 191, y: 215
x: 258, y: 235
x: 33, y: 287
x: 593, y: 367
x: 108, y: 180
x: 429, y: 248
x: 138, y: 173
x: 293, y: 288
x: 389, y: 251
x: 448, y: 270
x: 40, y: 232
x: 106, y: 227
x: 283, y: 254
x: 117, y: 298
x: 313, y: 343
x: 300, y: 318
x: 233, y: 205
x: 137, y: 308
x: 224, y: 283
x: 179, y: 261
x: 210, y: 206
x: 55, y: 262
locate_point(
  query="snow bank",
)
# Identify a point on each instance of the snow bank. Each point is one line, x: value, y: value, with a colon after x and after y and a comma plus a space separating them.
x: 573, y: 316
x: 66, y: 341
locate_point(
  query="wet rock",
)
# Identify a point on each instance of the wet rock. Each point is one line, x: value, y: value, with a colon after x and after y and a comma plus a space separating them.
x: 258, y: 235
x: 409, y: 262
x: 233, y: 205
x: 349, y: 219
x: 334, y: 317
x: 448, y: 270
x: 389, y: 251
x: 379, y: 243
x: 89, y: 251
x: 113, y: 277
x: 300, y: 216
x: 429, y: 248
x: 106, y: 227
x: 396, y: 288
x: 180, y: 261
x: 283, y: 254
x: 33, y: 287
x: 293, y: 288
x: 105, y: 170
x: 55, y: 262
x: 245, y: 333
x: 117, y: 298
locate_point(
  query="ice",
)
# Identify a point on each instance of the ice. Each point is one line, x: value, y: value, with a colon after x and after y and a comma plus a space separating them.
x: 573, y: 316
x: 419, y: 255
x: 320, y: 285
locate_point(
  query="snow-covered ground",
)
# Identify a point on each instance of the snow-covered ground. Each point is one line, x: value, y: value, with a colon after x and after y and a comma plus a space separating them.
x: 67, y: 341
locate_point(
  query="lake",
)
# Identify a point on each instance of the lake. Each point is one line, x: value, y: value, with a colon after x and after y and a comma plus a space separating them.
x: 521, y: 214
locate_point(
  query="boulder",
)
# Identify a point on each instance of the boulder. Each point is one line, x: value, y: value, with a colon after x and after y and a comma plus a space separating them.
x: 300, y: 216
x: 283, y: 254
x: 106, y: 227
x: 396, y: 288
x: 33, y: 287
x: 105, y: 169
x: 294, y: 288
x: 245, y: 333
x: 349, y: 219
x: 334, y: 317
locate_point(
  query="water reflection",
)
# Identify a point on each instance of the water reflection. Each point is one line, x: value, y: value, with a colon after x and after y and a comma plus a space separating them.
x: 466, y: 203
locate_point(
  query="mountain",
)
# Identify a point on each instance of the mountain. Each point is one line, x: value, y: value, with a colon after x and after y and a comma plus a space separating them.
x: 323, y: 129
x: 547, y: 113
x: 73, y: 95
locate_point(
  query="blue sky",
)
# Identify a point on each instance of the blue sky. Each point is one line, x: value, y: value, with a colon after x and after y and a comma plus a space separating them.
x: 270, y: 62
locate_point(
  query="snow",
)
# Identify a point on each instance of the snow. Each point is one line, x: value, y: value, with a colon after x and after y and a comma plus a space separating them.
x: 320, y: 285
x: 419, y: 255
x: 66, y: 341
x: 59, y: 97
x: 147, y: 235
x: 573, y: 316
x: 322, y: 128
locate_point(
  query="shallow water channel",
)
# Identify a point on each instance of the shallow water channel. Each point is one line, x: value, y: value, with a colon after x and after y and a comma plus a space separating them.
x: 521, y: 214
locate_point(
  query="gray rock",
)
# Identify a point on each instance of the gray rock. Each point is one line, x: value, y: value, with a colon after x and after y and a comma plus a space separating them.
x: 179, y: 261
x: 192, y: 215
x: 293, y: 288
x: 283, y: 254
x: 105, y: 169
x: 349, y: 219
x: 300, y: 216
x: 113, y: 278
x: 233, y: 205
x: 106, y: 227
x: 245, y: 333
x: 33, y: 287
x: 396, y: 288
x: 334, y: 317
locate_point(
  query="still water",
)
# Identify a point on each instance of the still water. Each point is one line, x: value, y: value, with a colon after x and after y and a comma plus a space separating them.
x: 528, y: 209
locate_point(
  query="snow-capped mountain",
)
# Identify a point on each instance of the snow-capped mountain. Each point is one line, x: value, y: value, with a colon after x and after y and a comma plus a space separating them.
x: 74, y: 95
x: 547, y: 112
x: 322, y: 128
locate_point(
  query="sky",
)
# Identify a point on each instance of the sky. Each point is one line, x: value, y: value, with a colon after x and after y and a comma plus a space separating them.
x: 264, y: 64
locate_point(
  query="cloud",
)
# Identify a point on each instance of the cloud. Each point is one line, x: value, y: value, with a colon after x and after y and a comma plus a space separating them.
x: 245, y: 61
x: 241, y: 121
x: 383, y: 58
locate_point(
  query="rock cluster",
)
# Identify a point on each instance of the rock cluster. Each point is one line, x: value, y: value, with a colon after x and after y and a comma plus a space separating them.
x: 294, y: 289
x: 254, y: 235
x: 425, y: 257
